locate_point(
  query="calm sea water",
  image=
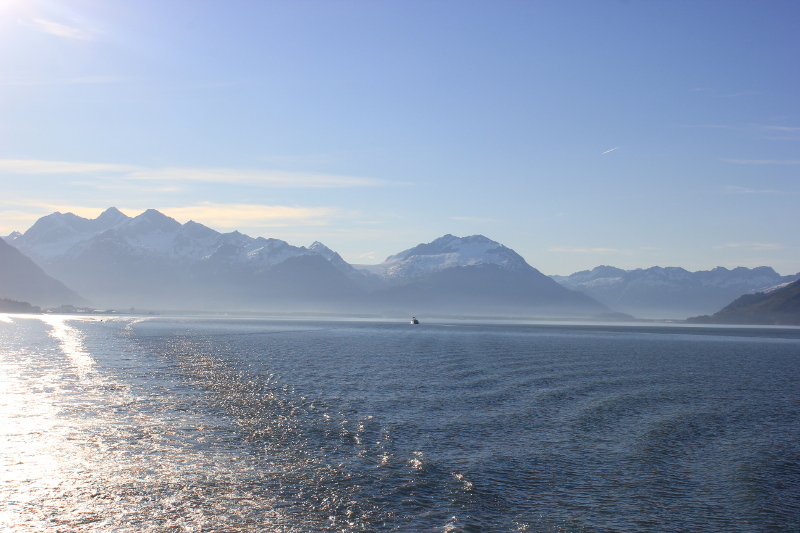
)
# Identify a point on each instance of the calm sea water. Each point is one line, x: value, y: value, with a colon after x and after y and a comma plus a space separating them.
x: 170, y: 424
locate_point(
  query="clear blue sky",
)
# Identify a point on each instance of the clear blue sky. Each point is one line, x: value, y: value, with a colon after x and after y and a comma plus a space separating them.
x: 629, y: 133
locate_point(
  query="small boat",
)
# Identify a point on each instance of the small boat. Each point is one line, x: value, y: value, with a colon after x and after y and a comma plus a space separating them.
x: 414, y: 320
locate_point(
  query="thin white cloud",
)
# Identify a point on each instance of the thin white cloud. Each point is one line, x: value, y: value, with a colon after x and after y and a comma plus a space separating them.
x: 756, y: 246
x: 709, y: 126
x: 24, y: 213
x: 590, y: 250
x: 785, y: 129
x: 764, y: 131
x: 473, y: 219
x: 737, y: 95
x: 80, y: 80
x: 777, y: 133
x: 236, y: 216
x: 172, y: 177
x: 215, y: 215
x: 16, y: 220
x: 39, y: 209
x: 609, y: 151
x: 61, y: 30
x: 37, y: 166
x: 21, y: 213
x: 735, y: 189
x: 99, y: 78
x: 121, y: 186
x: 275, y: 178
x: 763, y: 161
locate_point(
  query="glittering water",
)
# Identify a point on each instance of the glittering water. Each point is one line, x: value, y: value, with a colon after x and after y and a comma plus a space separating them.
x: 130, y: 424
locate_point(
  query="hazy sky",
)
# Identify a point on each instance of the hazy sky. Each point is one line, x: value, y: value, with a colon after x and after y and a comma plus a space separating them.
x: 628, y: 133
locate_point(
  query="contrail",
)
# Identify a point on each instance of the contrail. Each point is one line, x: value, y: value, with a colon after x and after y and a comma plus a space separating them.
x: 604, y: 153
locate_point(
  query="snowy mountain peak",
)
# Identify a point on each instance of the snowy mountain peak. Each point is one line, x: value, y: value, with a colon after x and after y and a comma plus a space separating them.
x: 52, y: 235
x: 110, y: 217
x: 196, y: 230
x: 449, y: 244
x: 151, y: 221
x: 56, y: 224
x: 160, y: 238
x: 450, y: 251
x: 11, y: 237
x: 321, y: 249
x: 653, y: 292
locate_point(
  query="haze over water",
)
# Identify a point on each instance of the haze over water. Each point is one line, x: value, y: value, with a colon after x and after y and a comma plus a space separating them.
x: 187, y: 424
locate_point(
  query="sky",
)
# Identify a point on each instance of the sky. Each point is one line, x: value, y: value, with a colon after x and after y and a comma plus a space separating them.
x: 578, y: 133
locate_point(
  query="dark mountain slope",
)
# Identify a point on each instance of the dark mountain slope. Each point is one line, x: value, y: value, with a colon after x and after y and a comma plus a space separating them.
x: 780, y: 306
x: 486, y: 289
x: 670, y: 292
x: 21, y: 279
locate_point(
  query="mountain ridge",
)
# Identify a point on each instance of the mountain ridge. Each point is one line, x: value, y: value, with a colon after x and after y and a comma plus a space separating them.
x: 152, y: 260
x: 779, y: 306
x: 22, y: 280
x: 670, y: 292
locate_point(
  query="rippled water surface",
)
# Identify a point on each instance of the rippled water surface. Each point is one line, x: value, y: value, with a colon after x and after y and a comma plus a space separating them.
x: 171, y: 424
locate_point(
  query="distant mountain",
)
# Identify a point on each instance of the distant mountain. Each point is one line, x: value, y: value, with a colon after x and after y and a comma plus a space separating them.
x: 23, y: 281
x: 778, y: 306
x: 670, y: 292
x: 450, y: 252
x: 474, y: 275
x: 13, y: 306
x: 152, y: 260
x: 363, y: 278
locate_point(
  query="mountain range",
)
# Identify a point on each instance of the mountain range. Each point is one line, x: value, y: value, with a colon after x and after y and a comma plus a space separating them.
x: 477, y: 276
x: 21, y: 279
x: 671, y: 292
x: 153, y: 261
x: 780, y: 305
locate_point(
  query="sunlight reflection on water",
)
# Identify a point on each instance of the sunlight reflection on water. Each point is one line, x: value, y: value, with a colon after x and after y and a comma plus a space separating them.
x: 130, y: 425
x: 70, y: 342
x: 86, y: 450
x: 39, y: 457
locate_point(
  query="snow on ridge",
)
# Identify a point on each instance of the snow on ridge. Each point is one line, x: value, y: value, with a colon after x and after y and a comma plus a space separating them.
x: 52, y: 235
x: 11, y: 237
x: 773, y: 288
x: 719, y: 276
x: 450, y: 252
x: 319, y: 248
x: 270, y: 251
x: 150, y: 232
x: 602, y: 282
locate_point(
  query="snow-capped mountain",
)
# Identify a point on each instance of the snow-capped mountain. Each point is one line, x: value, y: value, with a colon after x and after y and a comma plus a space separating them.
x: 54, y: 234
x: 671, y: 292
x: 474, y: 275
x: 153, y: 260
x: 449, y: 252
x: 362, y: 277
x: 22, y: 280
x: 151, y: 232
x: 779, y: 305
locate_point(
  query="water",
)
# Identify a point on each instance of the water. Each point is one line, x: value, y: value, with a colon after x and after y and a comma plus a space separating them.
x: 170, y: 424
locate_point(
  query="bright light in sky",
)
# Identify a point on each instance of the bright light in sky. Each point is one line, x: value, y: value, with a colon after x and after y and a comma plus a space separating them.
x: 577, y: 133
